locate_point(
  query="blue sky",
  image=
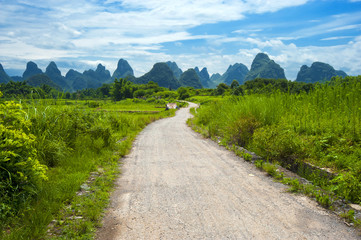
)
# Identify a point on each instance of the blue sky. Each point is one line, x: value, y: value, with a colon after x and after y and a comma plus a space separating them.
x: 205, y: 33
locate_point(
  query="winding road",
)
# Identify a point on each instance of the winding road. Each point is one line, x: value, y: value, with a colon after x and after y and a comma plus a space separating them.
x: 177, y: 185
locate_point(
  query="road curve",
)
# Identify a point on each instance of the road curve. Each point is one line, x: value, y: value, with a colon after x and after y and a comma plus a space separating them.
x: 177, y: 185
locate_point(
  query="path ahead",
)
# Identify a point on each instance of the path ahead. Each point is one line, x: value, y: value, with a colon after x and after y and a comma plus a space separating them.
x: 177, y: 185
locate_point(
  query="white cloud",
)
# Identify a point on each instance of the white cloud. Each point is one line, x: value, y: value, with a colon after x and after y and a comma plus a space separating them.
x: 136, y: 30
x: 335, y: 38
x: 336, y: 23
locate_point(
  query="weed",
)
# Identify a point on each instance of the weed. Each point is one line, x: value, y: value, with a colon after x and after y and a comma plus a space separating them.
x: 323, y: 199
x: 349, y: 215
x: 294, y: 183
x: 247, y: 157
x: 258, y: 163
x: 270, y: 168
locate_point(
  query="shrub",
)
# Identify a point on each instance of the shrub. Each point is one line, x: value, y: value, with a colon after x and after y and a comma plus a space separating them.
x: 21, y: 171
x: 278, y: 143
x: 348, y: 186
x: 241, y: 131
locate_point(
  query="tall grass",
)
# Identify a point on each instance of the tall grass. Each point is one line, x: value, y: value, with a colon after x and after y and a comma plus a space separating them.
x: 72, y: 140
x: 322, y: 127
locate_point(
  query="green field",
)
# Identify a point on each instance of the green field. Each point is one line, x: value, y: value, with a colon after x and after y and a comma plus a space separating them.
x: 54, y: 147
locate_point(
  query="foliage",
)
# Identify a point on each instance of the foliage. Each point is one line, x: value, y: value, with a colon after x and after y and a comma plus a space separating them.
x: 183, y: 93
x: 21, y: 171
x: 21, y: 90
x: 72, y: 140
x: 321, y: 125
x: 234, y: 84
x: 348, y: 185
x: 221, y: 89
x: 121, y: 89
x: 269, y: 86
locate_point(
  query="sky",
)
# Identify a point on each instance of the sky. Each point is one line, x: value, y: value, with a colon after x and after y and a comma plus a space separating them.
x: 205, y: 33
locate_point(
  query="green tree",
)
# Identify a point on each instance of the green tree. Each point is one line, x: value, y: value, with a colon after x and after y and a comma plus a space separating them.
x: 221, y: 89
x: 183, y: 93
x: 234, y: 84
x: 121, y: 89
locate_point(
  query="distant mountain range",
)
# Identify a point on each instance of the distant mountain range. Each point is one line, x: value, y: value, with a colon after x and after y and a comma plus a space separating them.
x: 168, y: 74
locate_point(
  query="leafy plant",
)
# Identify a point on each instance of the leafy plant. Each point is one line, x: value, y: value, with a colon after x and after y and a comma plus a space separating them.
x: 21, y: 171
x: 258, y: 163
x: 348, y: 186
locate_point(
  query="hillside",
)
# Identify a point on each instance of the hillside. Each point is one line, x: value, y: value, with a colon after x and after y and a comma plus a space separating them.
x: 54, y: 74
x: 238, y: 72
x: 190, y: 78
x: 123, y: 70
x: 203, y: 76
x: 160, y: 74
x: 4, y: 77
x: 31, y: 70
x: 318, y: 72
x: 263, y: 67
x: 175, y: 69
x: 42, y: 79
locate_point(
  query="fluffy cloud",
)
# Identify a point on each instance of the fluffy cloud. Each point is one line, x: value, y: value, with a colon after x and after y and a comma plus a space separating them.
x: 85, y: 33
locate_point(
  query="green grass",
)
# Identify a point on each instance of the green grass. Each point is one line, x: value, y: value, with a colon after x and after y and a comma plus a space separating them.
x: 204, y: 99
x: 73, y: 141
x: 322, y: 127
x: 135, y: 105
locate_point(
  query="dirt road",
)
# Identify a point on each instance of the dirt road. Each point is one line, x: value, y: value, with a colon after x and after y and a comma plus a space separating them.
x: 177, y: 185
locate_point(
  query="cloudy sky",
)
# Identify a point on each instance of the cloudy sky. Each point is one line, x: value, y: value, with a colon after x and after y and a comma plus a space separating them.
x: 205, y: 33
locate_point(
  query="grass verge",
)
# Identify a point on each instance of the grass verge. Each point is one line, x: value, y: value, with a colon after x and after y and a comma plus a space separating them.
x: 81, y: 149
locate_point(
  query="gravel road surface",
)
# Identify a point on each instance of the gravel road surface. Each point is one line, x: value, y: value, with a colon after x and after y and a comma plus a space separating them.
x: 177, y: 185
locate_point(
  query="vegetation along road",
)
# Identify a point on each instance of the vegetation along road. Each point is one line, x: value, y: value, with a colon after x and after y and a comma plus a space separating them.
x: 177, y: 185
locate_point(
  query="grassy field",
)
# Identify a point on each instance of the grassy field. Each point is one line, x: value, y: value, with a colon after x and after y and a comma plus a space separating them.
x: 76, y: 146
x: 322, y: 127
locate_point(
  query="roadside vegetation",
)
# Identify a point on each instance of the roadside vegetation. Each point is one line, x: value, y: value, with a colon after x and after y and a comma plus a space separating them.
x: 59, y: 158
x: 291, y: 124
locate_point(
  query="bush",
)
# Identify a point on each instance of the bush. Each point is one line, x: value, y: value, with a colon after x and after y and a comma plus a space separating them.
x: 241, y: 131
x: 21, y: 171
x: 348, y: 186
x: 277, y: 143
